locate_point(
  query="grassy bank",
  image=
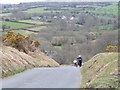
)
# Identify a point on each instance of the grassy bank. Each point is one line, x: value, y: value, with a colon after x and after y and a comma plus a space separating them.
x: 101, y: 71
x: 14, y: 61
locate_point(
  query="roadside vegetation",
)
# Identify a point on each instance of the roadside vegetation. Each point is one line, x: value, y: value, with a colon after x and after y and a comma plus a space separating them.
x: 20, y: 42
x: 101, y: 71
x: 14, y: 61
x: 20, y: 53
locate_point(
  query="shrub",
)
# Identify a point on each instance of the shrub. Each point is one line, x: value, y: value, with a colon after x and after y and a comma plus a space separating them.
x: 20, y: 42
x: 111, y: 48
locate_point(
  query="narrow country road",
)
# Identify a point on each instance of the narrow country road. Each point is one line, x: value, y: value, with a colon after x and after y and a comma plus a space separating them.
x: 59, y: 77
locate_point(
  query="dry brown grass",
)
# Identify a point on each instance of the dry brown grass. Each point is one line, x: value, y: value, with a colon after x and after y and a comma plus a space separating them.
x: 14, y: 61
x: 97, y: 72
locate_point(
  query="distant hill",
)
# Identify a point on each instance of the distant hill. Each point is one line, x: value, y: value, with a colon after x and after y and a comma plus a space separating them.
x: 81, y: 0
x: 101, y: 71
x: 14, y: 61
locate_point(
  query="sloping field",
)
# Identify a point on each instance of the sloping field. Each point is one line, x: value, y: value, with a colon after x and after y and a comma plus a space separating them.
x: 101, y: 71
x: 113, y: 9
x: 37, y: 10
x: 41, y: 10
x: 108, y: 10
x: 32, y: 21
x: 5, y: 14
x: 13, y: 24
x: 14, y: 61
x: 38, y: 28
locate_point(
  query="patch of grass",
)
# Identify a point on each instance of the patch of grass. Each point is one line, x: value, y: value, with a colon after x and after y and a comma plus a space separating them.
x: 13, y: 24
x: 1, y: 29
x: 96, y: 71
x: 20, y: 31
x: 103, y: 31
x: 68, y: 8
x: 25, y: 32
x: 58, y: 47
x: 41, y: 10
x: 87, y: 6
x: 107, y: 10
x: 104, y: 27
x: 38, y: 28
x: 37, y: 10
x: 106, y: 81
x: 5, y: 14
x: 18, y: 70
x: 32, y: 21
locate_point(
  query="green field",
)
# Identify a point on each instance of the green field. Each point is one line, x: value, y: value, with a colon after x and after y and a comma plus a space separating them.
x: 40, y: 10
x: 87, y: 6
x: 107, y: 10
x: 105, y: 27
x: 32, y: 21
x: 38, y: 28
x: 24, y: 32
x: 68, y: 8
x: 5, y: 14
x: 13, y: 24
x: 37, y: 10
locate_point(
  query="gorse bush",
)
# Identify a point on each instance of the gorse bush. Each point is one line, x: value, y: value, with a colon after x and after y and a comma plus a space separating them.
x: 20, y: 42
x: 111, y: 48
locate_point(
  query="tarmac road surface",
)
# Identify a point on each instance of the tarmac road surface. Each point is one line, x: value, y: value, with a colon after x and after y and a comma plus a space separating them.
x: 58, y: 77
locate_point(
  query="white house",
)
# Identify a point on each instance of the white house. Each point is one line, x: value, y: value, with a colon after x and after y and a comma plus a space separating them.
x: 63, y: 17
x: 55, y: 17
x: 72, y: 18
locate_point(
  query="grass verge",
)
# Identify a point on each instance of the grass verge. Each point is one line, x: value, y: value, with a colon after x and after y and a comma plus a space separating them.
x: 101, y: 71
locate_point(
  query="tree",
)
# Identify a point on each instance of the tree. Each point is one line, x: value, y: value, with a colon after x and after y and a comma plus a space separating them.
x: 5, y: 27
x: 21, y: 15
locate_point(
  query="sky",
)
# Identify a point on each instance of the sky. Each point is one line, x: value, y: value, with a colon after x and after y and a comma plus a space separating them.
x: 19, y: 1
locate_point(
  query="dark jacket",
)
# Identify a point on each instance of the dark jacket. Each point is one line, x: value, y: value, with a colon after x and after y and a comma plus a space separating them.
x: 79, y: 59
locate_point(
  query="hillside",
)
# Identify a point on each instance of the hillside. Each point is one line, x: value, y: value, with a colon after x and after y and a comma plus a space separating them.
x: 101, y: 71
x: 14, y: 61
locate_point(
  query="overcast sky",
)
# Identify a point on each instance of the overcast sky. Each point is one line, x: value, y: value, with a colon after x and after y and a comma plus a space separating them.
x: 19, y: 1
